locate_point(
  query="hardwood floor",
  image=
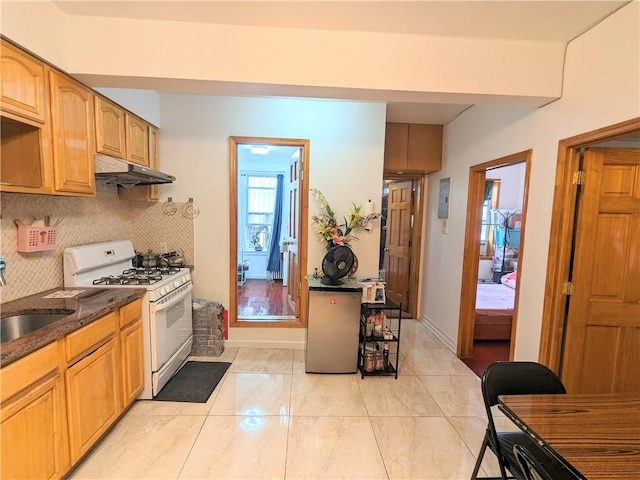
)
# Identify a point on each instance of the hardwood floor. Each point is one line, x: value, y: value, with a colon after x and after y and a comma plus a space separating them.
x: 485, y: 352
x: 258, y: 298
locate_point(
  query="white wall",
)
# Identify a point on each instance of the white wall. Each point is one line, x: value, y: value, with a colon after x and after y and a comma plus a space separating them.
x: 165, y: 55
x: 511, y: 185
x: 601, y: 87
x: 346, y: 157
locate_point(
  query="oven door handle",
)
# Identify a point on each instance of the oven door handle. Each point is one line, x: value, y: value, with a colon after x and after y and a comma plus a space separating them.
x: 155, y: 307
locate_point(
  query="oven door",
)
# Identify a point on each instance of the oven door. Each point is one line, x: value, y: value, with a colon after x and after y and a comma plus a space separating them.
x: 170, y: 325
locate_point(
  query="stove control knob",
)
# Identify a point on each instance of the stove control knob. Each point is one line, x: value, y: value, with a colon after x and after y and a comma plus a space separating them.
x: 163, y: 291
x: 176, y: 284
x: 184, y: 279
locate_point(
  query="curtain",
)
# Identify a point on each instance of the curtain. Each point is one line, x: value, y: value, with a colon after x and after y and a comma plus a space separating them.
x: 273, y: 264
x: 488, y: 189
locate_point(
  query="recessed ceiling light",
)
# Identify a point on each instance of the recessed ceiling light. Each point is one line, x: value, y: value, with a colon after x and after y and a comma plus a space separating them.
x: 260, y: 150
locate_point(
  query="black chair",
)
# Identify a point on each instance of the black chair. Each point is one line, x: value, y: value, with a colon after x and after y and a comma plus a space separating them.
x: 532, y: 469
x: 514, y: 378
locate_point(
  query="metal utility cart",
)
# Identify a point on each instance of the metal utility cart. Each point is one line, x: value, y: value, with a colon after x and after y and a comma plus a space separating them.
x: 373, y: 344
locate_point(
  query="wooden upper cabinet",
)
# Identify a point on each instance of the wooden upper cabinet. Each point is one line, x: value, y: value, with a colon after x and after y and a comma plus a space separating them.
x: 72, y: 126
x: 149, y: 193
x: 110, y: 128
x: 137, y: 140
x: 23, y: 86
x: 395, y: 146
x: 413, y: 148
x: 154, y: 161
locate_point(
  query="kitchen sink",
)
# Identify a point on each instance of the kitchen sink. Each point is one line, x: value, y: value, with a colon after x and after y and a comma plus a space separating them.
x: 17, y: 326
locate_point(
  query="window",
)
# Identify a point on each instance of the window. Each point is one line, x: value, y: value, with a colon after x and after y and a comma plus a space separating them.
x: 492, y: 193
x: 261, y: 200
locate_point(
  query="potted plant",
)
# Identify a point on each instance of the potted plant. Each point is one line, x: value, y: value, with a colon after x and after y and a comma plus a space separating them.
x: 255, y: 240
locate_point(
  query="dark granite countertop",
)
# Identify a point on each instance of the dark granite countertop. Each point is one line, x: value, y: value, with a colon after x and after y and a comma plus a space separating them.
x: 88, y: 306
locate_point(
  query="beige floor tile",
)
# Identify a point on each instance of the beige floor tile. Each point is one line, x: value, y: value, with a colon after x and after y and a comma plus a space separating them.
x: 152, y: 447
x: 326, y: 395
x: 333, y: 448
x: 263, y: 360
x: 471, y: 430
x: 153, y: 407
x: 414, y: 335
x: 227, y: 356
x: 405, y: 369
x: 436, y: 361
x: 425, y: 448
x: 235, y: 447
x: 457, y: 396
x: 253, y: 394
x: 406, y: 396
x: 298, y: 361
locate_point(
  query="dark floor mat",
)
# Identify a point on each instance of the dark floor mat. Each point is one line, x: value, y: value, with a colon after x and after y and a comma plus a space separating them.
x: 193, y: 383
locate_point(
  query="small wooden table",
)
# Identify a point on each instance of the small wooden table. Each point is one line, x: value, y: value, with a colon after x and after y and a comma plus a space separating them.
x: 597, y: 436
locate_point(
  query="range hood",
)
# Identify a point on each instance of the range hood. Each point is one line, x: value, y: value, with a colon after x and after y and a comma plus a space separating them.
x: 126, y: 174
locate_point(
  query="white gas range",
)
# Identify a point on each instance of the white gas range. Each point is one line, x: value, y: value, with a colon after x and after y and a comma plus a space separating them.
x: 166, y: 306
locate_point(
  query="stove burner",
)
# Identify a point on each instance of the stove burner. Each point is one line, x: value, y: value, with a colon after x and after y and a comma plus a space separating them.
x: 111, y: 280
x: 152, y: 271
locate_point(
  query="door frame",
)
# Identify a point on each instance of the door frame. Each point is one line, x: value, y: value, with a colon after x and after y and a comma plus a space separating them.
x: 303, y: 214
x: 417, y: 199
x: 561, y: 236
x: 471, y: 252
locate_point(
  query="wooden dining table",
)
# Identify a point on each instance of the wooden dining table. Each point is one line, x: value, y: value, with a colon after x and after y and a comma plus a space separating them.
x: 596, y: 436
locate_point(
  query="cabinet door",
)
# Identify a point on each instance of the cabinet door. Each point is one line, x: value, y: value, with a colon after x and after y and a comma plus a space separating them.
x: 110, y: 128
x: 72, y: 127
x: 23, y: 84
x: 395, y: 147
x: 424, y: 153
x: 149, y: 193
x: 93, y: 398
x: 33, y: 433
x: 131, y: 361
x: 137, y: 140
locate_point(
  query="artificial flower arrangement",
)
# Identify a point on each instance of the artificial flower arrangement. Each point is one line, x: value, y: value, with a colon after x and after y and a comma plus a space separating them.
x: 327, y: 225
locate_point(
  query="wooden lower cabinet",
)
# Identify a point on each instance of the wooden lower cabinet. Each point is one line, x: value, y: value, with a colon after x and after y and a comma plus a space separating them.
x: 131, y: 362
x: 93, y: 398
x: 33, y: 434
x: 58, y: 401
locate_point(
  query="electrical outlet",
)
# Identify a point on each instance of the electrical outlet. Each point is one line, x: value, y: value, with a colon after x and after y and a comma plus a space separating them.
x: 163, y: 247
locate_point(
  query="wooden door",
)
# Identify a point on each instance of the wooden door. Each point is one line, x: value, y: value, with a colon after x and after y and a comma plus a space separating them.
x: 293, y: 274
x: 73, y: 130
x: 398, y: 242
x: 602, y: 346
x: 33, y: 440
x: 93, y: 398
x: 110, y: 128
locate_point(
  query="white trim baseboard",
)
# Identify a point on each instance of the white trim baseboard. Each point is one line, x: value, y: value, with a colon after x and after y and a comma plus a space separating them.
x: 443, y: 337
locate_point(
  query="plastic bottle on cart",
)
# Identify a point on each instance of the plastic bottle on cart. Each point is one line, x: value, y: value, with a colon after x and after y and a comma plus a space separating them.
x: 385, y: 356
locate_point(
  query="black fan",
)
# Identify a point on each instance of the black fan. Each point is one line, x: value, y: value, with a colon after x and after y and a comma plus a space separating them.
x: 336, y: 264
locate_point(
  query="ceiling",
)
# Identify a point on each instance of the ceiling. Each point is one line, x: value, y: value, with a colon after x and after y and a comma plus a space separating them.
x: 538, y: 20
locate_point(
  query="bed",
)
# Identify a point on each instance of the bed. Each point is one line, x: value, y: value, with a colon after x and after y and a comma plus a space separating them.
x: 494, y: 310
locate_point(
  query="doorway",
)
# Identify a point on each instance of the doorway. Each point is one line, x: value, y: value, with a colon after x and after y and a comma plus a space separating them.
x: 268, y: 230
x: 401, y: 240
x: 591, y: 315
x: 496, y: 207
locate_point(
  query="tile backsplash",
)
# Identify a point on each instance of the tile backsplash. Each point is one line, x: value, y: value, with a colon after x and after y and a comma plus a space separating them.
x: 84, y: 220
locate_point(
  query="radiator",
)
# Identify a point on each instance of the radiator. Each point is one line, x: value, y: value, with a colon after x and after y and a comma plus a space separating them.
x: 275, y: 275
